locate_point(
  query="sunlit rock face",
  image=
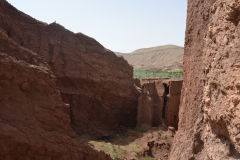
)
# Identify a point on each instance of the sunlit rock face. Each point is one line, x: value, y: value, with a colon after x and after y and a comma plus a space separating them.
x: 210, y: 103
x: 34, y: 123
x: 55, y: 85
x: 96, y: 83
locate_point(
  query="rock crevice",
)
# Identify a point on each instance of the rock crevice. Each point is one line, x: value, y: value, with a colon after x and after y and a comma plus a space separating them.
x: 158, y: 103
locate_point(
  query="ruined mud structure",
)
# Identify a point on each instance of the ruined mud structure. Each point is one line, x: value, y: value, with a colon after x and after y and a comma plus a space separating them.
x: 158, y: 103
x: 56, y: 86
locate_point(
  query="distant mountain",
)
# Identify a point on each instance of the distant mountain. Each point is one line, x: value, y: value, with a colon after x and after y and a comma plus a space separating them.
x: 168, y: 57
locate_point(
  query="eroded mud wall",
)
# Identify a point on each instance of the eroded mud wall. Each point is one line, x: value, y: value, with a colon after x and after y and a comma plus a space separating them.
x: 158, y: 103
x: 173, y: 102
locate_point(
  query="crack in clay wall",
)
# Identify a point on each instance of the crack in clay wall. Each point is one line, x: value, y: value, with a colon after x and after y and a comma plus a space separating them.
x: 158, y: 103
x: 165, y: 100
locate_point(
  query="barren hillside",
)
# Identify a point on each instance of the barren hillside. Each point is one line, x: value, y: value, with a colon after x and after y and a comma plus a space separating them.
x: 167, y: 57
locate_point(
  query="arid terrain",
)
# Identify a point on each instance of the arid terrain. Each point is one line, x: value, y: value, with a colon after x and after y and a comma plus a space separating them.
x: 63, y: 96
x: 169, y: 57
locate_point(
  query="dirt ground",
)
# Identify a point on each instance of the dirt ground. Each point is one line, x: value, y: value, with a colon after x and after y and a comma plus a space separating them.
x: 137, y: 144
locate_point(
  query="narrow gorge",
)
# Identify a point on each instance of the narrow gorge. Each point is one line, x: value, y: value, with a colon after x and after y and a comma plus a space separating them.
x: 63, y: 96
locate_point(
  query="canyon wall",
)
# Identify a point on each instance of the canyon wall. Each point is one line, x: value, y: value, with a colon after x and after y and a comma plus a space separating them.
x: 210, y: 104
x: 96, y: 83
x: 34, y: 123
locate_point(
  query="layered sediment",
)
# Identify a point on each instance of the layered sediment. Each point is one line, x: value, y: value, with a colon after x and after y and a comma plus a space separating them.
x: 34, y: 121
x: 56, y: 85
x: 96, y: 83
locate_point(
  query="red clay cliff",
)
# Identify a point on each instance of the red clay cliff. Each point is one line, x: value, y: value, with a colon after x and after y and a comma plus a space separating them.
x: 56, y: 85
x: 210, y: 105
x: 34, y: 123
x: 96, y: 83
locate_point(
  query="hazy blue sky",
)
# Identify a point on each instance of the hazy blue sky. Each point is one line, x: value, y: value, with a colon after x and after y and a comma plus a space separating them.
x: 120, y: 25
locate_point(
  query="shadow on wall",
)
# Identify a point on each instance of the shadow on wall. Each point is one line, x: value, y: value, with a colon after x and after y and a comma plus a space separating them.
x: 158, y: 104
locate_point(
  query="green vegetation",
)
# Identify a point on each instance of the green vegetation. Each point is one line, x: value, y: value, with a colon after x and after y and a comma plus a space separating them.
x: 163, y: 134
x: 120, y: 147
x: 130, y: 145
x: 83, y: 138
x: 141, y: 130
x: 149, y: 158
x: 118, y: 151
x: 149, y: 73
